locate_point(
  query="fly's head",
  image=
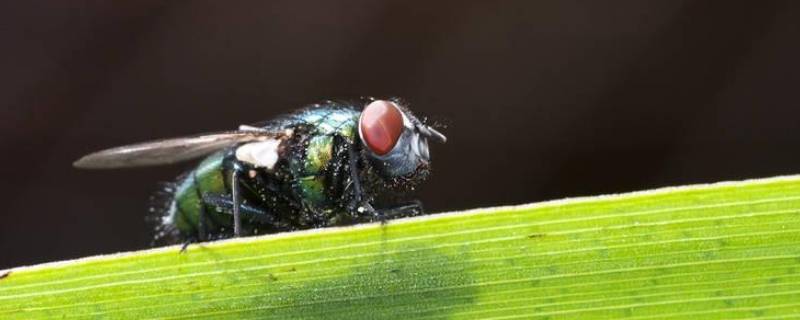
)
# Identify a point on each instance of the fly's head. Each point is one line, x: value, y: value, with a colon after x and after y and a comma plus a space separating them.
x: 396, y: 143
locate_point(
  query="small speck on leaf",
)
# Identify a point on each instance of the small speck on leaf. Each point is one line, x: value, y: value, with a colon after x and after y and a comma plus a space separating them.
x: 5, y: 275
x: 535, y: 235
x: 729, y: 303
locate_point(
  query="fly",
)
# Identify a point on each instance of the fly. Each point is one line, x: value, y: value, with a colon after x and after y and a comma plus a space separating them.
x: 323, y: 165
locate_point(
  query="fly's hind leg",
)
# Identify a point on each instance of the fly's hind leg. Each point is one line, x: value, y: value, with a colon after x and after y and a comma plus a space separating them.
x: 236, y: 197
x: 229, y: 204
x: 225, y: 204
x: 409, y: 209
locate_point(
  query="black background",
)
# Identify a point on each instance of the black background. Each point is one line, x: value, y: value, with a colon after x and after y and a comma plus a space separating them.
x: 543, y: 99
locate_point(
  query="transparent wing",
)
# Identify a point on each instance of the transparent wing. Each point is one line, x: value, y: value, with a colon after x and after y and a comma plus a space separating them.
x: 168, y: 151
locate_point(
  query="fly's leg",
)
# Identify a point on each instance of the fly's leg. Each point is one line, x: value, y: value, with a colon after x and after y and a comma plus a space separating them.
x: 187, y: 243
x: 237, y: 201
x: 225, y: 204
x: 359, y: 192
x: 361, y: 205
x: 410, y: 209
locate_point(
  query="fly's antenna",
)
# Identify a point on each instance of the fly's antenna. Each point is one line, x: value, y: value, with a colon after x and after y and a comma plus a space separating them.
x: 431, y: 133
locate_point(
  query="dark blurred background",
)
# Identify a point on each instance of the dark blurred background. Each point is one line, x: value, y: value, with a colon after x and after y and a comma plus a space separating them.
x: 543, y: 99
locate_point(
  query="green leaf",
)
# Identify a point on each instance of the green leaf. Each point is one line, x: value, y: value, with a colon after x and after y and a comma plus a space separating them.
x: 728, y: 250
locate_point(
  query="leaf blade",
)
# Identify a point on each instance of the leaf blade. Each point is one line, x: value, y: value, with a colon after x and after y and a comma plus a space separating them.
x: 726, y: 250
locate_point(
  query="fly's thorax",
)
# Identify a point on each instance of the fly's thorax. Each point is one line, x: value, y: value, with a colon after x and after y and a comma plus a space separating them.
x: 308, y: 162
x: 316, y: 160
x: 338, y: 120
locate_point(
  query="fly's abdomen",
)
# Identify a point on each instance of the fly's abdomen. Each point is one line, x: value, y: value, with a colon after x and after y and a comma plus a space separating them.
x: 208, y: 178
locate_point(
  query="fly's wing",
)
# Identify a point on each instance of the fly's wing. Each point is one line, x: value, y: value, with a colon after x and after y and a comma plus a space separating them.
x: 169, y: 151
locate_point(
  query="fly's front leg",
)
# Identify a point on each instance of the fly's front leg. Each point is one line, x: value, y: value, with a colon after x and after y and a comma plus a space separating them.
x: 412, y: 208
x: 361, y: 205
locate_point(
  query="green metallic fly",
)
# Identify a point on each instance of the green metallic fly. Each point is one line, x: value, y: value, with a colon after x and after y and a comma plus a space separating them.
x: 324, y: 165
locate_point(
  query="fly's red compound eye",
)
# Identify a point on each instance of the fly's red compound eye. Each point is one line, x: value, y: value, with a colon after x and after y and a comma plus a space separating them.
x: 381, y: 125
